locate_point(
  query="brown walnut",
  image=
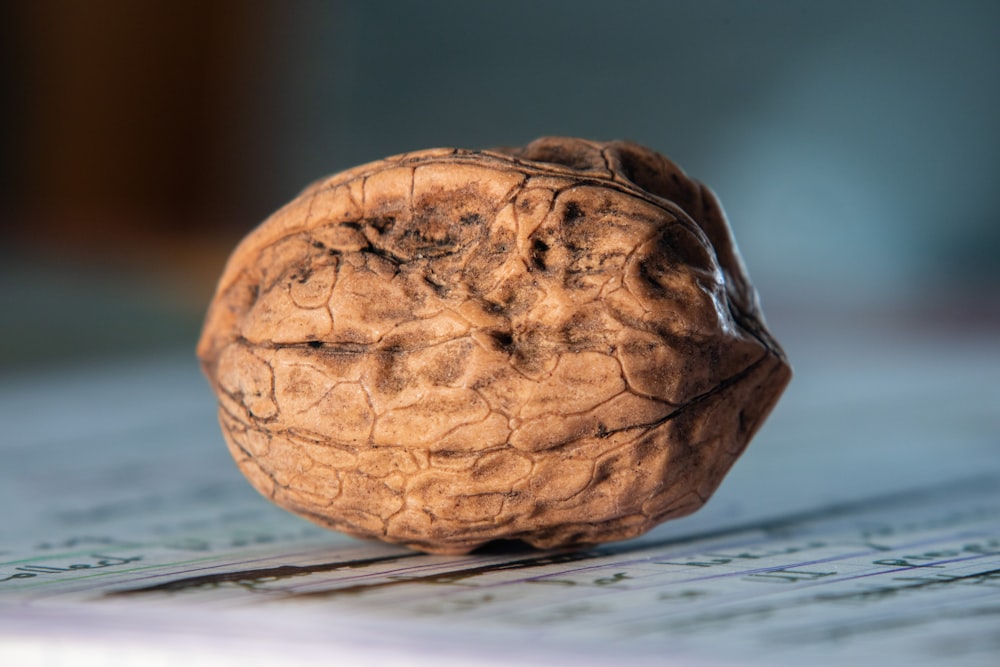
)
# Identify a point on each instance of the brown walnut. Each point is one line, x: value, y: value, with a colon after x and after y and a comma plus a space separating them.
x: 556, y: 343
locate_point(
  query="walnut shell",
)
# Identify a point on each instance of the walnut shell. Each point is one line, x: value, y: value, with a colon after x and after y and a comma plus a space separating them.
x: 557, y: 344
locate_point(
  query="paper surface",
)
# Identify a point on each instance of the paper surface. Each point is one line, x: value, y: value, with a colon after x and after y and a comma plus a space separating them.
x: 863, y: 524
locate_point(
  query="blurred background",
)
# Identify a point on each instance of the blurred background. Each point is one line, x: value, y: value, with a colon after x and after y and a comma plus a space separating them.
x: 854, y: 144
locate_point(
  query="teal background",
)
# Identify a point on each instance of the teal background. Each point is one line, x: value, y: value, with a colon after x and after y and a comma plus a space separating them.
x: 853, y: 144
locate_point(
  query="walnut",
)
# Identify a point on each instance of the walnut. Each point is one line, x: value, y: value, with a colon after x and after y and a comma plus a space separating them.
x: 556, y: 344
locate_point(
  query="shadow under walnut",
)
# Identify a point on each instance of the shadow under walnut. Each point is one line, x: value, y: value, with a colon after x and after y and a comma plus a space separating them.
x: 556, y: 344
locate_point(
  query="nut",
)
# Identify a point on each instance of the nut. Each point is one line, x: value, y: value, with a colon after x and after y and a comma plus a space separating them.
x: 556, y: 344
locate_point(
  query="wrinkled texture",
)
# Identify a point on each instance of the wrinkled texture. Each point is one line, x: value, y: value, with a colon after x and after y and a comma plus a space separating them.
x: 556, y: 343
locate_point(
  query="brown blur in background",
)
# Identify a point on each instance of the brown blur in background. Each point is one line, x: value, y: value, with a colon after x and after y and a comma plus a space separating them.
x: 854, y: 144
x: 129, y: 167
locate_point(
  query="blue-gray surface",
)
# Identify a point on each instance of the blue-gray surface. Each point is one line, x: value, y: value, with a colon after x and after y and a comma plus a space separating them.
x: 859, y: 527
